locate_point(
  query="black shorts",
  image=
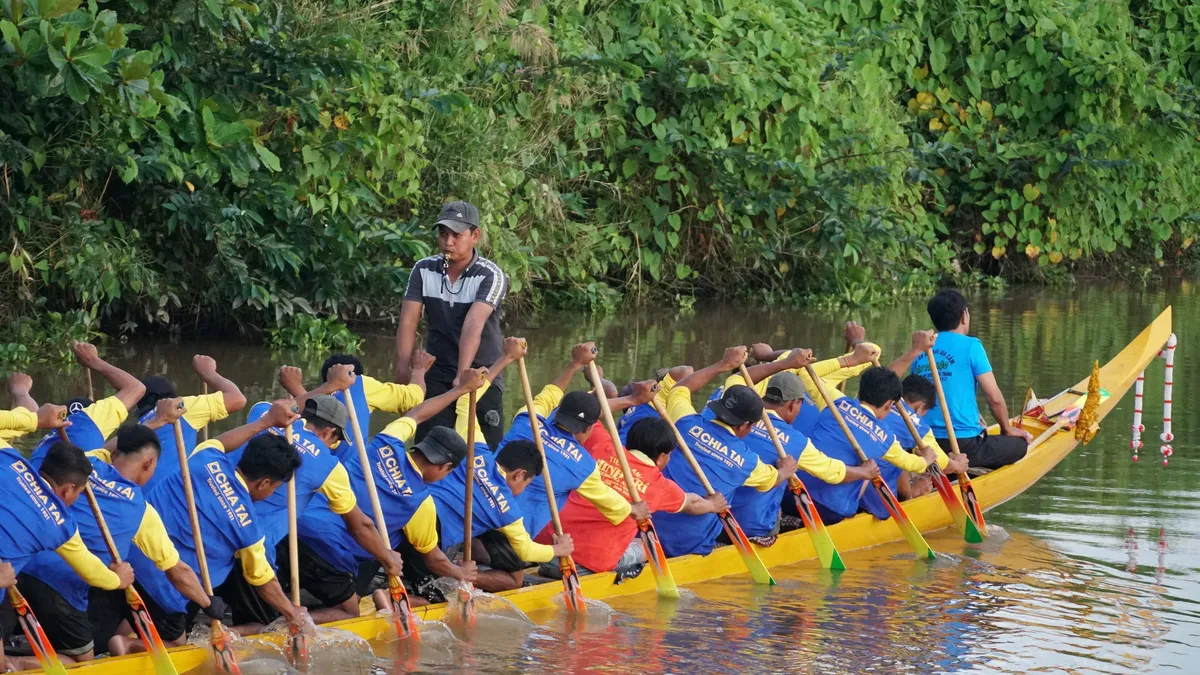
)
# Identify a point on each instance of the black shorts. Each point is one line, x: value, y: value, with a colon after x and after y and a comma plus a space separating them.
x: 68, y: 628
x: 990, y: 452
x: 242, y: 597
x: 107, y: 609
x: 8, y: 618
x: 329, y: 585
x: 501, y: 555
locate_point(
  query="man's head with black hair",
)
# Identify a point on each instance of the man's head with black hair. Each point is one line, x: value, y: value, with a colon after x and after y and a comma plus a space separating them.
x: 919, y: 394
x: 267, y: 462
x: 521, y: 462
x: 137, y: 452
x: 157, y: 388
x: 948, y: 310
x: 66, y: 468
x: 879, y: 388
x: 653, y: 437
x: 339, y: 359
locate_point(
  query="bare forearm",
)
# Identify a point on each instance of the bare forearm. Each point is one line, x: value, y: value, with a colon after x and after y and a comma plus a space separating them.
x: 272, y: 594
x: 129, y: 388
x: 24, y: 400
x: 623, y: 403
x: 695, y: 505
x: 432, y: 406
x: 563, y: 380
x: 903, y: 362
x: 699, y: 378
x: 235, y: 400
x: 1000, y: 412
x: 468, y: 344
x: 406, y: 338
x: 763, y: 371
x: 236, y: 438
x: 187, y: 583
x: 364, y: 532
x: 418, y: 378
x: 498, y: 367
x: 440, y: 565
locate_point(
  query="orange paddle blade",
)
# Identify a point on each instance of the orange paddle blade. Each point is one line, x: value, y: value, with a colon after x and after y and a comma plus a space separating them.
x: 467, y: 603
x: 572, y: 590
x: 754, y: 564
x: 46, y: 656
x: 223, y: 654
x: 406, y: 623
x: 658, y: 560
x: 962, y: 517
x: 827, y: 552
x: 298, y: 648
x: 907, y: 527
x: 144, y: 625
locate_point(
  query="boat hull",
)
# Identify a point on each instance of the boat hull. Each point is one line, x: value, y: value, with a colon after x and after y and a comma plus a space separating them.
x: 862, y: 531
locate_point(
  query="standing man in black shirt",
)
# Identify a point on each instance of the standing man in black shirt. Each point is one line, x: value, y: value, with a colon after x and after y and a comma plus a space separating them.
x: 460, y: 291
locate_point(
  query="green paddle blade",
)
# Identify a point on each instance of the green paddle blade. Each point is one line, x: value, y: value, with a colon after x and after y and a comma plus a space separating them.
x: 754, y: 564
x: 827, y: 552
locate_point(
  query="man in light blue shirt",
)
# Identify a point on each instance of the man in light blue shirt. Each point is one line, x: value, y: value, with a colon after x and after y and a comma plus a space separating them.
x: 963, y: 365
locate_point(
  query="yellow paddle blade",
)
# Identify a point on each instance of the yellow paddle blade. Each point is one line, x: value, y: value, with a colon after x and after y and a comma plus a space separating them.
x: 827, y: 552
x: 906, y: 525
x: 754, y: 564
x: 663, y: 579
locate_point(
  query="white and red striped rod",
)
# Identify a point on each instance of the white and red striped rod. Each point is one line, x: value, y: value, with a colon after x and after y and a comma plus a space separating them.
x: 1135, y: 443
x: 1166, y: 436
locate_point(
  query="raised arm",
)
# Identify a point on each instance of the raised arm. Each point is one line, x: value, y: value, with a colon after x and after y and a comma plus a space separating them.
x: 581, y: 355
x: 19, y: 385
x: 796, y: 359
x: 340, y: 377
x: 514, y: 348
x: 206, y: 368
x: 921, y: 341
x: 469, y: 380
x: 730, y: 360
x: 129, y: 388
x: 282, y: 413
x: 421, y: 362
x: 643, y: 392
x: 406, y: 332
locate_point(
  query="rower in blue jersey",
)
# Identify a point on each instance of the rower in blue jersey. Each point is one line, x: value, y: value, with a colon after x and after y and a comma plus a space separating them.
x: 565, y: 423
x: 87, y: 617
x: 93, y: 421
x: 331, y: 557
x: 644, y: 410
x: 367, y: 393
x: 759, y: 512
x: 721, y: 452
x: 918, y: 397
x: 35, y: 508
x: 224, y: 399
x: 225, y: 494
x: 497, y: 519
x: 865, y: 416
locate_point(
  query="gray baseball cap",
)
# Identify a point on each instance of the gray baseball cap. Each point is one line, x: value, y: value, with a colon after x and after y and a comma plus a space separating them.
x: 784, y: 387
x: 458, y: 216
x: 328, y: 409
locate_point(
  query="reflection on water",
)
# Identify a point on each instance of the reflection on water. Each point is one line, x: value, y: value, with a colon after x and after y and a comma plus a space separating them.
x: 1061, y: 585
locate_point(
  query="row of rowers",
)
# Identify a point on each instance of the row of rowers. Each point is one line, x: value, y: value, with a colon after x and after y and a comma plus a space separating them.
x: 53, y: 550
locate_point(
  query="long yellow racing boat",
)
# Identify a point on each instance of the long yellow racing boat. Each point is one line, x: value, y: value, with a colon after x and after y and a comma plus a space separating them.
x: 862, y: 531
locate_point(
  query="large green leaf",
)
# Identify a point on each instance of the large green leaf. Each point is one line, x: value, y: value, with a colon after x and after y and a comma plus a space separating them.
x: 77, y: 89
x: 96, y: 55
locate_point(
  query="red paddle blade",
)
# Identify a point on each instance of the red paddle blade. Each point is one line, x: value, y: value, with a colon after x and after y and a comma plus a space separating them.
x: 406, y: 623
x: 46, y: 656
x: 962, y: 518
x: 572, y: 590
x: 827, y: 552
x: 754, y: 564
x: 971, y: 502
x: 298, y: 648
x: 658, y: 560
x: 144, y: 625
x: 222, y: 648
x: 906, y: 525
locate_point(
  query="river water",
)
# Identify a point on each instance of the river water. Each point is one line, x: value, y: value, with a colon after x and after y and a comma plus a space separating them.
x: 1092, y: 570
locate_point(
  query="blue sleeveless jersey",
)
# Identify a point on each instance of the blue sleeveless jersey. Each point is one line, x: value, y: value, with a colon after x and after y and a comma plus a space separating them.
x: 359, y: 399
x: 873, y: 437
x: 34, y: 518
x: 228, y: 523
x: 806, y: 421
x: 569, y: 464
x: 83, y: 432
x: 493, y: 505
x: 401, y: 490
x: 757, y: 512
x: 888, y: 471
x: 168, y: 461
x: 123, y: 505
x: 727, y: 463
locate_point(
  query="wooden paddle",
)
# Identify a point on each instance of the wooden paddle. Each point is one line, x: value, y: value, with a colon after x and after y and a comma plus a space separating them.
x: 970, y: 501
x: 754, y: 564
x: 653, y: 547
x: 906, y: 525
x: 406, y: 623
x: 223, y: 654
x: 464, y: 587
x: 827, y: 552
x: 46, y: 656
x: 142, y: 622
x: 963, y: 519
x: 572, y: 590
x: 91, y: 391
x: 297, y: 640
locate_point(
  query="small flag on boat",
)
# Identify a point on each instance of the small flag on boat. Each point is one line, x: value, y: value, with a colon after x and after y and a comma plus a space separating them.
x: 1087, y: 426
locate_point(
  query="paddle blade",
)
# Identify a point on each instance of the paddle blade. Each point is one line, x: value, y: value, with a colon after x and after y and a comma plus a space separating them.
x: 971, y: 503
x: 406, y: 623
x: 144, y: 625
x: 572, y: 590
x: 298, y: 648
x: 906, y: 525
x: 222, y: 648
x: 46, y: 656
x: 962, y: 519
x: 827, y: 552
x: 754, y: 564
x: 658, y: 560
x: 467, y: 603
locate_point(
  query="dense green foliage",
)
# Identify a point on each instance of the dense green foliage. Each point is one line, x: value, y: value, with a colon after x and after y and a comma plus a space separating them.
x: 216, y: 163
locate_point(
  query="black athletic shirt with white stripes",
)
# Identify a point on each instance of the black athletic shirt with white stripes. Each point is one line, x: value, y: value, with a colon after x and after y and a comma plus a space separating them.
x: 446, y: 307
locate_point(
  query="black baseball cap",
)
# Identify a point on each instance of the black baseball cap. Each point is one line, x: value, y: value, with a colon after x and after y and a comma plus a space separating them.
x: 443, y: 445
x: 577, y: 413
x: 458, y: 216
x: 740, y: 404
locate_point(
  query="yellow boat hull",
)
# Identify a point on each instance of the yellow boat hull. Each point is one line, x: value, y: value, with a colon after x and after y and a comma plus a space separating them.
x: 862, y: 531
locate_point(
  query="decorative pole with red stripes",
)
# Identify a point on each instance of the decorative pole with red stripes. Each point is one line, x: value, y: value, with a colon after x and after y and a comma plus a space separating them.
x: 1166, y: 436
x: 1135, y: 443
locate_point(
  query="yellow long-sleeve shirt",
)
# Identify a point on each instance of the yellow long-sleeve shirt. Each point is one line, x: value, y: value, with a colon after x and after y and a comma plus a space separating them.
x: 679, y: 405
x: 391, y: 397
x: 89, y: 568
x: 205, y: 409
x: 15, y: 423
